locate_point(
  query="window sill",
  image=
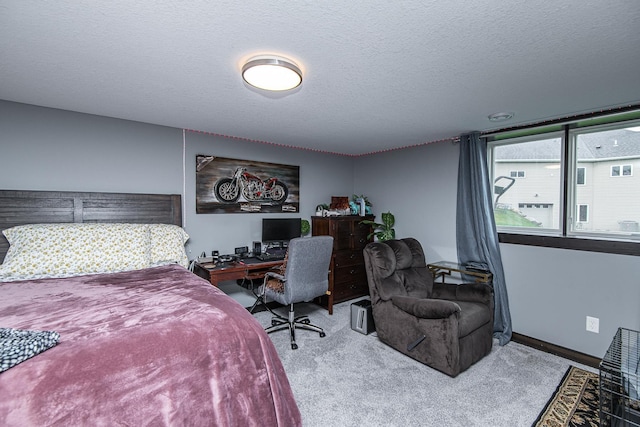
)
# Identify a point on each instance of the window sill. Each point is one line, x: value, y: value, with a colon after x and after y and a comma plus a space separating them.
x: 578, y: 244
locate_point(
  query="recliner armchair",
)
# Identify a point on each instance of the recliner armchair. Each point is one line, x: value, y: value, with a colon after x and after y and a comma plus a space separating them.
x: 446, y: 326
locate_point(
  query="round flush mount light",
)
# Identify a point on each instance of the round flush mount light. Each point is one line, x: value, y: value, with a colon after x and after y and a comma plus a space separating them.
x: 500, y: 117
x: 272, y: 73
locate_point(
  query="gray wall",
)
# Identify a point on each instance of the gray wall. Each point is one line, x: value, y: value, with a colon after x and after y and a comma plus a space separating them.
x: 418, y: 185
x: 551, y: 291
x: 49, y: 149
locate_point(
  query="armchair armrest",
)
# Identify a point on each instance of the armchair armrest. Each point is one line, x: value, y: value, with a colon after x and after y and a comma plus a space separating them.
x: 273, y: 275
x: 471, y: 292
x: 273, y: 282
x: 425, y: 308
x: 475, y: 292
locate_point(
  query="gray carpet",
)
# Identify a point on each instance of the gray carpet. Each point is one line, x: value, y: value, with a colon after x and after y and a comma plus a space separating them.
x: 351, y: 379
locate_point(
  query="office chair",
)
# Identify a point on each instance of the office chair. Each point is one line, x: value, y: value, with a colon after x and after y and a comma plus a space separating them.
x: 305, y: 277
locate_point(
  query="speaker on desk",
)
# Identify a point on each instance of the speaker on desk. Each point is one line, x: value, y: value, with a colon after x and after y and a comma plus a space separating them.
x: 257, y: 248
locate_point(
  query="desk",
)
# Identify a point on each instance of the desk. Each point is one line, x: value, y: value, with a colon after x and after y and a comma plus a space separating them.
x: 251, y: 268
x: 444, y: 268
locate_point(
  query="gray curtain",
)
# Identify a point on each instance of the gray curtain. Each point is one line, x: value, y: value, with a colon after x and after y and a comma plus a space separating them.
x: 476, y: 234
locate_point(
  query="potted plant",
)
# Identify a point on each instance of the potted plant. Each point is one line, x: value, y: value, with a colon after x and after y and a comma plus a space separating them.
x: 305, y: 227
x: 382, y: 231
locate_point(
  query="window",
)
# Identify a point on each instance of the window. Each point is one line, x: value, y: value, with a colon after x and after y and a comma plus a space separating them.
x: 583, y: 213
x: 532, y: 204
x: 621, y: 170
x: 556, y: 205
x: 581, y: 176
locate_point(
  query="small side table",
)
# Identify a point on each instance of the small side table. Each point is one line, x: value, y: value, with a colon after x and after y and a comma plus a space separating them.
x: 445, y: 268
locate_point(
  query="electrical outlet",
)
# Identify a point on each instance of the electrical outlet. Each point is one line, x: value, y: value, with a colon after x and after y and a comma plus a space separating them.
x: 593, y: 324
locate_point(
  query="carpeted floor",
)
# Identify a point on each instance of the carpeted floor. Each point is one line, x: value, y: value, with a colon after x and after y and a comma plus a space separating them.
x: 575, y: 402
x: 351, y: 379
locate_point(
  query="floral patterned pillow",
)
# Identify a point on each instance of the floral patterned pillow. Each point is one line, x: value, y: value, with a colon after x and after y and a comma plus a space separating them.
x: 65, y: 250
x: 167, y: 244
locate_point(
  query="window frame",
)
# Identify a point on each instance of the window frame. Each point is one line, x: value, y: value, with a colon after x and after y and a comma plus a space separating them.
x: 551, y: 134
x: 566, y: 239
x: 579, y: 212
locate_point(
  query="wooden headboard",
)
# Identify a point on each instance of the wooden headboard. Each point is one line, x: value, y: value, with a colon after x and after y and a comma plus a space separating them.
x: 35, y: 207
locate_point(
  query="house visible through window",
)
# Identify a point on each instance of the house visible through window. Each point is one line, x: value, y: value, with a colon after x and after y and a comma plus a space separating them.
x: 556, y: 199
x: 532, y: 203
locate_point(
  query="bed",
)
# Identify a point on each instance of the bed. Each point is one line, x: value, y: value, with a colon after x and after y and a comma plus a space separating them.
x: 152, y: 345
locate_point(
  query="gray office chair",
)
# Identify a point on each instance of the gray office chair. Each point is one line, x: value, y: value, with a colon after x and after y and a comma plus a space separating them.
x: 305, y: 277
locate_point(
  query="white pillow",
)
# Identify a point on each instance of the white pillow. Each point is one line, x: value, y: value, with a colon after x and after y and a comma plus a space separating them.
x: 64, y: 250
x: 167, y: 245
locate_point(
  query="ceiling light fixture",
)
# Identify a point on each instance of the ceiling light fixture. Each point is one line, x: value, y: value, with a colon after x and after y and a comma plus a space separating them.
x: 500, y: 117
x: 272, y: 73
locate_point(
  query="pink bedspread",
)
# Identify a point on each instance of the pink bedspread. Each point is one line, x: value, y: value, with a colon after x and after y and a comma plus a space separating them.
x: 151, y: 347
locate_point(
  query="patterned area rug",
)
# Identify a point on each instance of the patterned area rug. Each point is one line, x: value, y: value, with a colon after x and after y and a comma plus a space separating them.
x: 574, y: 403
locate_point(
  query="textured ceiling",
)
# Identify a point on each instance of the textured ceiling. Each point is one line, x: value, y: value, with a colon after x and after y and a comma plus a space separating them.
x: 377, y: 74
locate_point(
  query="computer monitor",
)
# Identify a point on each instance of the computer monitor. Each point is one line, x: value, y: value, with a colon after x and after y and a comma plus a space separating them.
x: 278, y: 231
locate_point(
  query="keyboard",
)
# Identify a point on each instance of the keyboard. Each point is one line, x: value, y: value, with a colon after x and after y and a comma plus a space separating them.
x: 270, y: 257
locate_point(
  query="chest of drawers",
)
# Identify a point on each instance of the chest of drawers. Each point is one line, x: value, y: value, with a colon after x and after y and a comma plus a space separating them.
x: 347, y: 275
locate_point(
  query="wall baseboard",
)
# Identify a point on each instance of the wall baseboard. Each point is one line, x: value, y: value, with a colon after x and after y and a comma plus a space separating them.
x: 567, y: 353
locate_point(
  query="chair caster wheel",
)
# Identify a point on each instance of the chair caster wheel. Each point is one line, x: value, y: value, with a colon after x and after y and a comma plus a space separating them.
x: 322, y: 335
x: 274, y: 322
x: 294, y: 346
x: 306, y: 321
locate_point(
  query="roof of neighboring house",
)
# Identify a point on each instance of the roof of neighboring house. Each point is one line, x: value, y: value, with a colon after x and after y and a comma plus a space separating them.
x: 618, y: 143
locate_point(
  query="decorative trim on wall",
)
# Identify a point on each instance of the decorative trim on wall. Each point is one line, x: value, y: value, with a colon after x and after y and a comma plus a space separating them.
x: 453, y: 139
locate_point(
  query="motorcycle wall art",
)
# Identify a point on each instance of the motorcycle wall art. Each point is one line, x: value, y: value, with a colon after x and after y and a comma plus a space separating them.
x: 226, y: 185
